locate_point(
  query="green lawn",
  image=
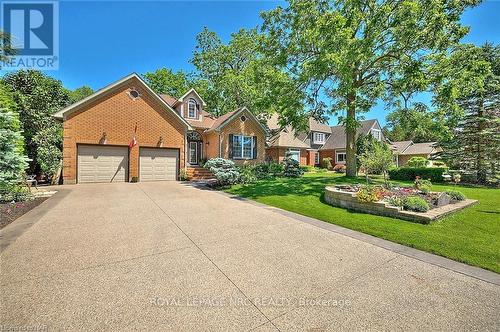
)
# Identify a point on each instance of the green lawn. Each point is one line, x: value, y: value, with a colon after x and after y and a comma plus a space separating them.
x: 471, y: 236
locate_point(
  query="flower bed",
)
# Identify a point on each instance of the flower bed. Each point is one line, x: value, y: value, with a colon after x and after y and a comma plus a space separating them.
x: 413, y: 204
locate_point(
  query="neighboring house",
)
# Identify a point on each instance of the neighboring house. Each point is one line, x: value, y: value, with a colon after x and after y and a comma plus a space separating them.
x: 127, y: 132
x: 334, y: 146
x: 405, y: 150
x: 303, y: 147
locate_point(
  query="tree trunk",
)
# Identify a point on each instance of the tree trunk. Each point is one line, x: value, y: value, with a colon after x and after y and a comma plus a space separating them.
x: 480, y: 166
x: 351, y: 135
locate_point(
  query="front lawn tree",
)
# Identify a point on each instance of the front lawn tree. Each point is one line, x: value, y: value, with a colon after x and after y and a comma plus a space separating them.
x: 346, y: 53
x: 378, y: 159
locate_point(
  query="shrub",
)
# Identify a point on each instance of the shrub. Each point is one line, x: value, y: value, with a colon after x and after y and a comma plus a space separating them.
x: 339, y: 168
x: 276, y: 169
x: 326, y: 163
x: 438, y: 163
x: 15, y: 193
x: 435, y: 174
x: 415, y: 203
x: 455, y: 195
x: 183, y: 175
x: 367, y: 195
x: 224, y: 170
x: 292, y: 167
x: 247, y: 174
x: 417, y: 162
x: 422, y: 185
x: 395, y: 200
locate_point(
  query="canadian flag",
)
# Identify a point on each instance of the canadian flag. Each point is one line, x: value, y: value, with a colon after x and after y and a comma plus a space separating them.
x: 133, y: 142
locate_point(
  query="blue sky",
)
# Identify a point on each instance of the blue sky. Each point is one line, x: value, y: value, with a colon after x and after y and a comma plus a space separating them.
x: 103, y: 41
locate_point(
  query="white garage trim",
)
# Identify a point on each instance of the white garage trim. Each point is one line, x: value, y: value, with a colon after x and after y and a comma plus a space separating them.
x: 158, y: 164
x: 102, y: 163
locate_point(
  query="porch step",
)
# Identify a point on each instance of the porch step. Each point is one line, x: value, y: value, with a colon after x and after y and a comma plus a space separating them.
x: 199, y: 173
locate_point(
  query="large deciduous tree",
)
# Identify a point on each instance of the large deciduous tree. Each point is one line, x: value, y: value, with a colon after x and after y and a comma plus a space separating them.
x: 166, y: 81
x: 80, y: 93
x: 238, y: 75
x: 37, y: 97
x: 347, y: 53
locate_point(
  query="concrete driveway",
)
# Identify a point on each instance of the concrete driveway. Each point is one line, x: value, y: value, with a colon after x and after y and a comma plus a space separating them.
x: 174, y: 257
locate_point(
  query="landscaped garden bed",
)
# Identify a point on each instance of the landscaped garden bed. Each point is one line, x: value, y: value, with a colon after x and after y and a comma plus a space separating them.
x: 398, y: 202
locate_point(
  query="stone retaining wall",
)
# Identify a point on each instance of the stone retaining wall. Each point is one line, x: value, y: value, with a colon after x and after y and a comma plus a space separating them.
x: 349, y: 201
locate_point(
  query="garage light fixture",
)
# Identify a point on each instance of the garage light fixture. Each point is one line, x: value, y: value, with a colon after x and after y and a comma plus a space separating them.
x: 160, y: 142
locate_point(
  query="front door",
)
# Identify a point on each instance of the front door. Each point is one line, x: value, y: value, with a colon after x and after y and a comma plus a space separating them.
x: 193, y: 153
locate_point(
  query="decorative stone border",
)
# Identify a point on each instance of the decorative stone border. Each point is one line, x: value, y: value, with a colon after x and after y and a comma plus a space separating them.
x: 348, y: 200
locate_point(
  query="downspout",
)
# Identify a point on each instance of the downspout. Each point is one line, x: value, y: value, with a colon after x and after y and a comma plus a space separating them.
x: 220, y: 146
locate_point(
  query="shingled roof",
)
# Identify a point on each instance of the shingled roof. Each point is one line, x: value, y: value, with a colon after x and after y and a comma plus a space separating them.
x: 337, y: 139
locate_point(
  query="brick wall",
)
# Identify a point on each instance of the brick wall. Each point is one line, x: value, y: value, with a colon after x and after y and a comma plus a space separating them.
x: 116, y: 114
x: 277, y: 154
x: 247, y: 128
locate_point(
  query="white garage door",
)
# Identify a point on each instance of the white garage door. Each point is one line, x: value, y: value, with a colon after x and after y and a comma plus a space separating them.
x: 102, y: 163
x: 158, y: 164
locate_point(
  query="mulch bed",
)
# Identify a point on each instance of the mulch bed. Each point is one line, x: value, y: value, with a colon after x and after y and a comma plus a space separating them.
x: 11, y: 211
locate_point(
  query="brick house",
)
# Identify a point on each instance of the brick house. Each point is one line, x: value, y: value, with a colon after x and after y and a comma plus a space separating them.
x: 319, y: 142
x: 127, y: 132
x: 405, y: 150
x: 303, y: 147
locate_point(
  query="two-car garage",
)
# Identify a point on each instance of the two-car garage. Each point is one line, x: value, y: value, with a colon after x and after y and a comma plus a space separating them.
x: 101, y: 163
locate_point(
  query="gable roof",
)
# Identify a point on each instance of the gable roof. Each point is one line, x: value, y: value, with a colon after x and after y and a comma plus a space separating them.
x: 399, y: 147
x: 196, y: 93
x: 223, y: 120
x: 422, y: 148
x: 287, y: 139
x: 337, y: 139
x: 74, y: 107
x: 171, y: 101
x: 318, y: 126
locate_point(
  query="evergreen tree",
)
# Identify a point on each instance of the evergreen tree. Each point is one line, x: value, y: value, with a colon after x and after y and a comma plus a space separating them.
x: 476, y: 142
x: 12, y: 159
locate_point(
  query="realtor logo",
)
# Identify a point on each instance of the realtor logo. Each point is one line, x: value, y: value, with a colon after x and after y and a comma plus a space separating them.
x: 32, y: 28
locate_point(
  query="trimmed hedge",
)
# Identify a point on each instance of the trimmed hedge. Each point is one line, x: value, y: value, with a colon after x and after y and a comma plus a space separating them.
x: 435, y: 174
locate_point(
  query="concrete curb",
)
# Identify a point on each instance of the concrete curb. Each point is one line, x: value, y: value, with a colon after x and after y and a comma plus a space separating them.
x: 11, y: 232
x: 449, y: 264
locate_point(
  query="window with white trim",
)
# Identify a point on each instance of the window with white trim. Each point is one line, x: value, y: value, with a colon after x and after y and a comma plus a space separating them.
x: 376, y: 134
x: 316, y: 158
x: 294, y: 154
x: 319, y: 138
x: 340, y: 157
x: 242, y: 147
x: 192, y: 106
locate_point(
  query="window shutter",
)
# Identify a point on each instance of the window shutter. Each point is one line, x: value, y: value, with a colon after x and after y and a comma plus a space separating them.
x: 254, y: 147
x: 230, y: 146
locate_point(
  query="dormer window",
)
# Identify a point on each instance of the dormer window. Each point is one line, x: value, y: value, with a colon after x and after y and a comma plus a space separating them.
x: 376, y: 134
x: 319, y: 138
x: 192, y: 109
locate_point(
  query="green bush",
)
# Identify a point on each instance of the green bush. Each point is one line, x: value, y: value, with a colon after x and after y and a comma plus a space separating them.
x: 455, y: 195
x: 415, y: 203
x: 292, y: 167
x: 438, y: 163
x: 276, y: 169
x: 247, y: 174
x: 435, y: 174
x: 417, y: 162
x: 224, y: 170
x: 15, y: 193
x: 395, y: 201
x: 422, y: 185
x: 326, y: 163
x: 367, y: 195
